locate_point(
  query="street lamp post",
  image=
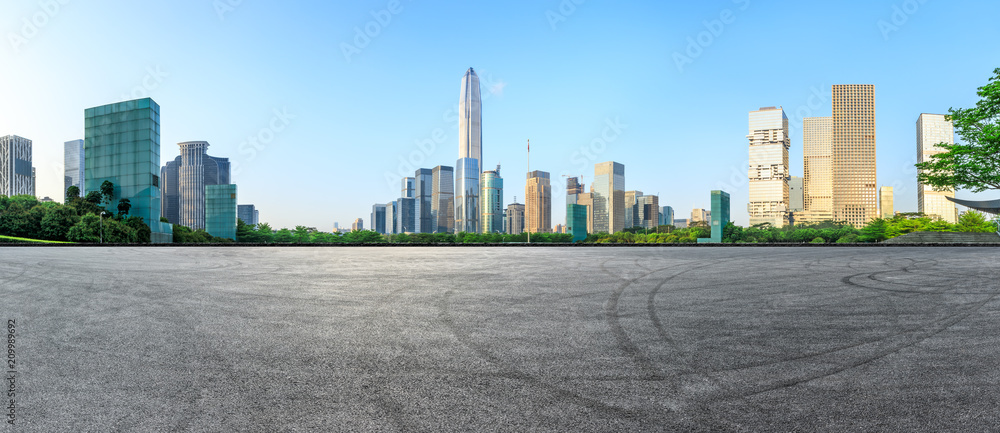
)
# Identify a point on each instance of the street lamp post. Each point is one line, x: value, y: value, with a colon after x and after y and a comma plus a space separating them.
x: 102, y: 226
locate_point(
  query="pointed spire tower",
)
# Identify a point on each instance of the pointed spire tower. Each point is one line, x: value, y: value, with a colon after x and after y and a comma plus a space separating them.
x: 468, y: 168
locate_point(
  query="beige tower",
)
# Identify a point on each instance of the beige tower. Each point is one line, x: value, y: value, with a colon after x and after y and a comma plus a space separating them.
x: 853, y: 159
x: 933, y: 129
x: 885, y: 202
x: 817, y: 180
x: 538, y: 203
x: 768, y: 172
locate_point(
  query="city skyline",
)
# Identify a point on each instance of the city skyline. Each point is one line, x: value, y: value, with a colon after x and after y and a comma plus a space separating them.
x: 592, y: 101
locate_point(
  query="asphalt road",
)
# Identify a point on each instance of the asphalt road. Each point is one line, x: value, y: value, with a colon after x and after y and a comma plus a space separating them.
x: 503, y: 339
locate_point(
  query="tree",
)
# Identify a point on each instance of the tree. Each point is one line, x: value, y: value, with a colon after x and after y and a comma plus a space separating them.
x: 875, y: 231
x: 973, y: 221
x: 123, y: 206
x: 93, y: 197
x: 108, y: 191
x: 142, y: 231
x: 58, y: 221
x: 284, y: 236
x: 72, y: 192
x: 86, y: 230
x: 974, y: 164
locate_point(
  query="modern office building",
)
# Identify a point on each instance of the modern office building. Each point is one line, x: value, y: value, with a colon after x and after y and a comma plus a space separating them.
x: 631, y: 211
x: 768, y: 173
x: 853, y: 159
x: 73, y: 161
x: 491, y: 198
x: 122, y: 145
x: 680, y: 223
x: 248, y: 214
x: 795, y: 196
x: 407, y: 189
x: 514, y: 219
x: 573, y: 189
x: 576, y: 221
x: 666, y: 216
x: 220, y: 210
x: 587, y: 200
x: 700, y: 215
x: 609, y: 197
x: 885, y: 207
x: 15, y: 166
x: 470, y: 154
x: 423, y: 187
x: 719, y: 216
x: 390, y: 217
x: 378, y: 218
x: 538, y: 202
x: 933, y: 129
x: 443, y: 199
x: 647, y: 211
x: 817, y: 181
x: 405, y: 214
x: 176, y: 188
x: 359, y: 225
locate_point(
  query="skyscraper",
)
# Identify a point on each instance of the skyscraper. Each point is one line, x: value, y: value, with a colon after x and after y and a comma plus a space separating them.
x: 378, y: 218
x: 631, y: 210
x: 15, y: 166
x: 538, y: 202
x: 390, y: 217
x: 609, y: 197
x: 933, y: 129
x: 122, y: 145
x: 817, y: 181
x: 407, y: 190
x: 853, y: 159
x: 492, y: 214
x: 73, y: 160
x: 666, y: 216
x: 514, y: 219
x: 587, y: 200
x: 220, y: 210
x: 443, y: 199
x: 795, y: 197
x: 192, y: 184
x: 470, y: 154
x: 576, y: 221
x: 647, y: 211
x: 885, y: 205
x: 359, y: 225
x: 573, y: 188
x: 247, y: 213
x: 719, y: 216
x: 405, y: 215
x: 423, y: 193
x: 214, y: 171
x: 769, y: 143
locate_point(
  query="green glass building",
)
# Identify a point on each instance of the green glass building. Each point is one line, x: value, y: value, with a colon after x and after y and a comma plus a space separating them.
x: 220, y: 210
x: 491, y: 200
x: 122, y: 145
x: 576, y: 221
x: 720, y: 216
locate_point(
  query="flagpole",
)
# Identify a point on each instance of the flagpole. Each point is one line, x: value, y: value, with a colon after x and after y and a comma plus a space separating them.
x: 529, y: 180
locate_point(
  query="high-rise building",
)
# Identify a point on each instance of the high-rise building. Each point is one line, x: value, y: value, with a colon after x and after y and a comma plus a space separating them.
x: 573, y: 188
x: 666, y: 216
x: 795, y: 197
x: 408, y: 188
x: 514, y: 219
x: 853, y: 159
x: 719, y: 216
x: 768, y: 174
x: 443, y: 199
x: 378, y: 218
x: 491, y: 197
x: 885, y: 202
x: 359, y: 225
x: 33, y: 182
x: 214, y: 171
x: 817, y: 181
x: 631, y: 209
x: 587, y: 200
x: 248, y: 214
x: 609, y: 197
x: 390, y: 217
x: 538, y: 202
x: 220, y: 210
x: 15, y: 166
x: 470, y: 154
x: 933, y: 129
x: 405, y: 214
x: 122, y: 145
x: 423, y: 193
x: 647, y: 211
x: 700, y: 215
x: 576, y: 221
x: 73, y: 160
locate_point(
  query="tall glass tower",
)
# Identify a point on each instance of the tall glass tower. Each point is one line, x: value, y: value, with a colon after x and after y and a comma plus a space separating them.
x: 470, y: 154
x: 73, y: 163
x: 492, y: 202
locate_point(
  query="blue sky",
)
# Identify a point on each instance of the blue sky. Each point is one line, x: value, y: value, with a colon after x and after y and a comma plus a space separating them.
x: 336, y: 117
